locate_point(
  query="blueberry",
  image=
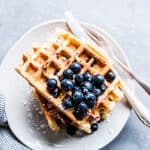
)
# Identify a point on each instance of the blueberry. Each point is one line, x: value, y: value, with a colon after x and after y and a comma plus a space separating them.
x: 77, y: 97
x: 71, y: 130
x: 90, y: 100
x: 75, y: 67
x: 97, y: 92
x: 76, y: 88
x: 98, y: 80
x: 87, y: 86
x: 82, y: 107
x: 56, y: 92
x: 103, y: 88
x: 67, y: 102
x: 79, y: 115
x: 52, y: 83
x: 110, y: 76
x: 94, y: 126
x: 79, y: 78
x: 68, y: 73
x: 67, y: 84
x: 81, y: 111
x: 88, y: 77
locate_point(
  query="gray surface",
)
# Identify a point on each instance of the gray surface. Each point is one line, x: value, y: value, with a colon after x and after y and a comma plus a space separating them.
x: 127, y: 21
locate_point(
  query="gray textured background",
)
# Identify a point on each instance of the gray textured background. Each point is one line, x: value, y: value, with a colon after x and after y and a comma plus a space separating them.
x: 128, y: 21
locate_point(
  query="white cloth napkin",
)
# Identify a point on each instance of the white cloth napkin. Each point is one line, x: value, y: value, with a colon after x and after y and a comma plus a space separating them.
x: 7, y: 140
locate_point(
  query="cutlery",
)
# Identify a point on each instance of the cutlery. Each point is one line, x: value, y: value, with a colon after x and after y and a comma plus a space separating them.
x: 98, y: 40
x: 140, y: 109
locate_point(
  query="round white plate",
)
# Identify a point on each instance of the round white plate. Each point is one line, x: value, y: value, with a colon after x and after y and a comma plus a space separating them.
x: 24, y: 117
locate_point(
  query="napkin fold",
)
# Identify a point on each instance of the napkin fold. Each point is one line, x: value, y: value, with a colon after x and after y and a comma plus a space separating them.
x: 7, y: 140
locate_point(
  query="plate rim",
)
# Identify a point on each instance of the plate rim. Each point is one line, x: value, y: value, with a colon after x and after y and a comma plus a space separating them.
x: 63, y: 21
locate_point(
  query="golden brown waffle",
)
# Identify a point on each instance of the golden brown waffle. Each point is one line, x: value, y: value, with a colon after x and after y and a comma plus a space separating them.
x: 49, y: 61
x: 55, y: 119
x: 48, y: 110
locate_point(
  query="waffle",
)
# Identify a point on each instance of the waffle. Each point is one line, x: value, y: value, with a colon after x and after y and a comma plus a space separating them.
x: 49, y: 61
x: 48, y: 110
x: 55, y: 119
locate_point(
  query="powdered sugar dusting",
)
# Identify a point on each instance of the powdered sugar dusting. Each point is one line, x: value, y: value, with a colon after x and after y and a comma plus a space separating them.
x: 110, y: 131
x: 39, y: 123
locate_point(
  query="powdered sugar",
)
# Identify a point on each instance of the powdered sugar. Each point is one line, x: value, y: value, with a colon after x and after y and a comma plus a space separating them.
x: 38, y: 122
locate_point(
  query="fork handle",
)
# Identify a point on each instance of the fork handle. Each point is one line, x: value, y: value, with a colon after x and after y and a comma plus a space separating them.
x: 141, y: 110
x: 143, y: 84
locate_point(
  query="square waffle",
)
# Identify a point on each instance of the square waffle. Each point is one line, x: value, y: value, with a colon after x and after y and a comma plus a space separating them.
x: 55, y: 119
x: 50, y: 59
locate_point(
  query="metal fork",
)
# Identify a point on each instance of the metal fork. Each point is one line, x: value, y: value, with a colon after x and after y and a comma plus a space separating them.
x: 98, y: 40
x: 140, y: 109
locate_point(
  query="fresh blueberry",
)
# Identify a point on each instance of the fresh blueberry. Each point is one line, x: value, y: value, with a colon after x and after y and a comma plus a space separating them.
x: 67, y: 84
x: 79, y: 115
x: 88, y: 77
x: 110, y: 76
x: 94, y: 126
x: 98, y: 80
x: 68, y: 73
x: 71, y: 130
x: 97, y: 92
x: 87, y: 86
x: 52, y: 83
x: 90, y: 100
x: 103, y: 88
x: 81, y: 111
x: 56, y: 92
x: 67, y: 102
x: 79, y: 78
x: 76, y: 88
x: 77, y: 97
x: 82, y: 107
x: 75, y: 67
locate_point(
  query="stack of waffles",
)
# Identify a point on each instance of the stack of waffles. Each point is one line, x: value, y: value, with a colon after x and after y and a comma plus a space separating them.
x: 49, y: 60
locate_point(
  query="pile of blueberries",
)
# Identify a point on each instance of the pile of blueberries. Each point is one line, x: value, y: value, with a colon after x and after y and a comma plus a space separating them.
x: 85, y: 89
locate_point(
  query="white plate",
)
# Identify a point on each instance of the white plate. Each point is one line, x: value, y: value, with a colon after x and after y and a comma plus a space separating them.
x: 24, y: 118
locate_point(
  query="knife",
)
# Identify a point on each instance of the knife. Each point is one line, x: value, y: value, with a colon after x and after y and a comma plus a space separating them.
x: 140, y: 109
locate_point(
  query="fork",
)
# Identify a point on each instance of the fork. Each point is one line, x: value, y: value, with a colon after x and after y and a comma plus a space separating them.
x: 98, y: 40
x: 140, y: 109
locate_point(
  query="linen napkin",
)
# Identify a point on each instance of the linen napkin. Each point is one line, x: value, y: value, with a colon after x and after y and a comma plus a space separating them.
x: 7, y: 140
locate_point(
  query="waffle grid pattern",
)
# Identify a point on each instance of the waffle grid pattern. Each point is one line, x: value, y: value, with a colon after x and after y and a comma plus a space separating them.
x: 50, y: 61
